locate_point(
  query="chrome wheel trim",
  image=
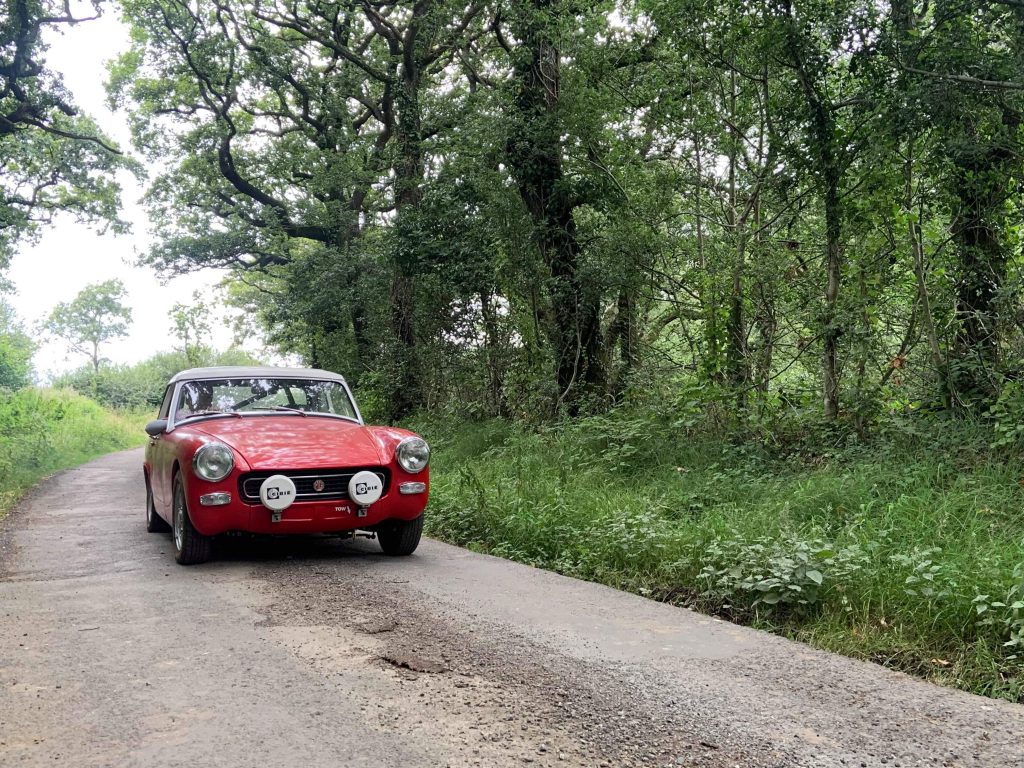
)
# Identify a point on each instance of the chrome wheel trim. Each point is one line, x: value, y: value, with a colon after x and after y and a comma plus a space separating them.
x: 179, y: 520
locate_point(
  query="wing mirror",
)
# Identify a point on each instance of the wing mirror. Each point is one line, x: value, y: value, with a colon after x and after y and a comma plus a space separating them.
x: 156, y: 427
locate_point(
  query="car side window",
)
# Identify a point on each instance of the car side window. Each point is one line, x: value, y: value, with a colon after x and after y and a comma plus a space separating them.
x: 165, y: 406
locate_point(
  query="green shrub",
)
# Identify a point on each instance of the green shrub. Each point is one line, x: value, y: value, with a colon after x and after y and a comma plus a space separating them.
x: 44, y: 430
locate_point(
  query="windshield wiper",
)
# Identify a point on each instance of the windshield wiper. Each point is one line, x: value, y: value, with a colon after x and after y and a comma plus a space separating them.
x: 210, y: 413
x: 286, y: 408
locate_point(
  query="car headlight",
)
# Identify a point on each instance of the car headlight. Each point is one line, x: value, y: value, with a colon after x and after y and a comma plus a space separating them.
x: 213, y: 462
x: 413, y: 454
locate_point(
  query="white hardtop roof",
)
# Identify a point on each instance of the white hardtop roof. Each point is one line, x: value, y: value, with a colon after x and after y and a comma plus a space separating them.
x: 254, y: 372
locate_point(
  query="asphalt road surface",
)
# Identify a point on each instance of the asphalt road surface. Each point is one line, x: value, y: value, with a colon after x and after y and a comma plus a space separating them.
x: 317, y: 652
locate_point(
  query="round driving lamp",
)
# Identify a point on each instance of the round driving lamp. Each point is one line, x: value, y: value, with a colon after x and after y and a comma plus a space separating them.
x: 413, y: 454
x: 213, y: 462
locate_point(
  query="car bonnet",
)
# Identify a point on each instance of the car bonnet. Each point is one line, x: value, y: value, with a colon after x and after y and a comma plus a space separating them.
x: 295, y: 442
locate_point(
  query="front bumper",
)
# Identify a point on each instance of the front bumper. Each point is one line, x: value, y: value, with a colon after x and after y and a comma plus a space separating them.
x: 302, y: 517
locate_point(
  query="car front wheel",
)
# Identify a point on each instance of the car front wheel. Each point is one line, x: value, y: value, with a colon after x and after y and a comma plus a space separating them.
x: 190, y: 546
x: 154, y: 523
x: 400, y: 537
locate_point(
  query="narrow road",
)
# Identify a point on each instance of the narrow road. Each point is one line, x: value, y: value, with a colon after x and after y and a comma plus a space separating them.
x: 317, y: 653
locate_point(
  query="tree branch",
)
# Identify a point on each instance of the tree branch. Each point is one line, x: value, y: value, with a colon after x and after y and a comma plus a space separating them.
x: 968, y: 79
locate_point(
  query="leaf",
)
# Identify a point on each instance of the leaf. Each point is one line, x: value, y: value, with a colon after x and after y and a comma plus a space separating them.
x: 815, y: 576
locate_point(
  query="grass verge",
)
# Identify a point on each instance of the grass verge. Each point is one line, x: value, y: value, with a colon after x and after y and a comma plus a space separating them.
x: 907, y: 552
x: 44, y: 430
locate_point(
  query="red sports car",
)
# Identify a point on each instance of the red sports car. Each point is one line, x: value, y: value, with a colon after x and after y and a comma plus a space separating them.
x: 278, y: 451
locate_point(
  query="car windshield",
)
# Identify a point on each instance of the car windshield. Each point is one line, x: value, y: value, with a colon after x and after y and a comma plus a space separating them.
x: 267, y: 395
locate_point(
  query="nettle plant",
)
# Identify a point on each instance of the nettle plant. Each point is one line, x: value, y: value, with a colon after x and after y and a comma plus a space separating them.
x: 928, y: 578
x: 1007, y: 615
x: 1007, y: 415
x: 772, y: 572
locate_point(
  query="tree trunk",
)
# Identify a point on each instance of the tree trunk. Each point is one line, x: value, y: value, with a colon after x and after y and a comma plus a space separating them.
x: 493, y: 342
x: 833, y: 272
x: 534, y: 153
x: 623, y: 332
x: 823, y: 145
x: 917, y: 250
x: 712, y: 363
x: 407, y: 391
x: 735, y: 325
x: 982, y: 271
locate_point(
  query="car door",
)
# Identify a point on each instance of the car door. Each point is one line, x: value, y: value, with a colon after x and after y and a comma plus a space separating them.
x: 160, y: 455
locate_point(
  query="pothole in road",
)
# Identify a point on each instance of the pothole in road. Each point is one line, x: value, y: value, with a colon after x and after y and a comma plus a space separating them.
x: 414, y: 662
x: 375, y: 626
x: 483, y: 695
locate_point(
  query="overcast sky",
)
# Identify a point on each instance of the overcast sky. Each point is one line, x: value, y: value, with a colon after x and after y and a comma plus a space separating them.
x: 69, y: 256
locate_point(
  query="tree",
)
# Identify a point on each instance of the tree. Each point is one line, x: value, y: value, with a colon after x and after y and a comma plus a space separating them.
x: 95, y: 316
x: 16, y: 350
x: 191, y: 324
x: 525, y: 208
x: 54, y: 159
x: 536, y: 158
x: 288, y: 123
x: 963, y: 63
x: 809, y: 35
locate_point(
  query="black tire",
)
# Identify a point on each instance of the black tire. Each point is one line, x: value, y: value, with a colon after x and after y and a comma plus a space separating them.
x: 154, y: 523
x: 399, y: 538
x: 190, y: 546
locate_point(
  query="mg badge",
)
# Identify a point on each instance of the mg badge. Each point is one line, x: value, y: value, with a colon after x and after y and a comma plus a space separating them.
x: 318, y: 485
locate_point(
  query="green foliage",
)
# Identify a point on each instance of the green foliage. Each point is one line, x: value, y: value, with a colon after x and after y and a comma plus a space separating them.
x: 54, y: 160
x: 764, y: 202
x: 47, y: 430
x: 95, y: 316
x: 1006, y: 614
x: 190, y: 323
x: 790, y: 573
x: 1007, y: 413
x: 906, y: 551
x: 16, y: 350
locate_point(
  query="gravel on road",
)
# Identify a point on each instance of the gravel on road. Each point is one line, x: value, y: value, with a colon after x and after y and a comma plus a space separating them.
x: 318, y: 652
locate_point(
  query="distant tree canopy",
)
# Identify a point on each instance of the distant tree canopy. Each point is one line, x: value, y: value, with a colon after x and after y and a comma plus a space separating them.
x: 190, y: 324
x: 533, y: 206
x: 53, y: 159
x: 142, y: 385
x: 95, y: 316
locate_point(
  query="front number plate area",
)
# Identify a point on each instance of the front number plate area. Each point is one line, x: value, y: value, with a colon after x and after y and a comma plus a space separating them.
x: 342, y: 510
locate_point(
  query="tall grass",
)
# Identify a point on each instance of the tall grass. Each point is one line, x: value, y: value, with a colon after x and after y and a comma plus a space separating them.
x: 907, y: 551
x: 44, y: 430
